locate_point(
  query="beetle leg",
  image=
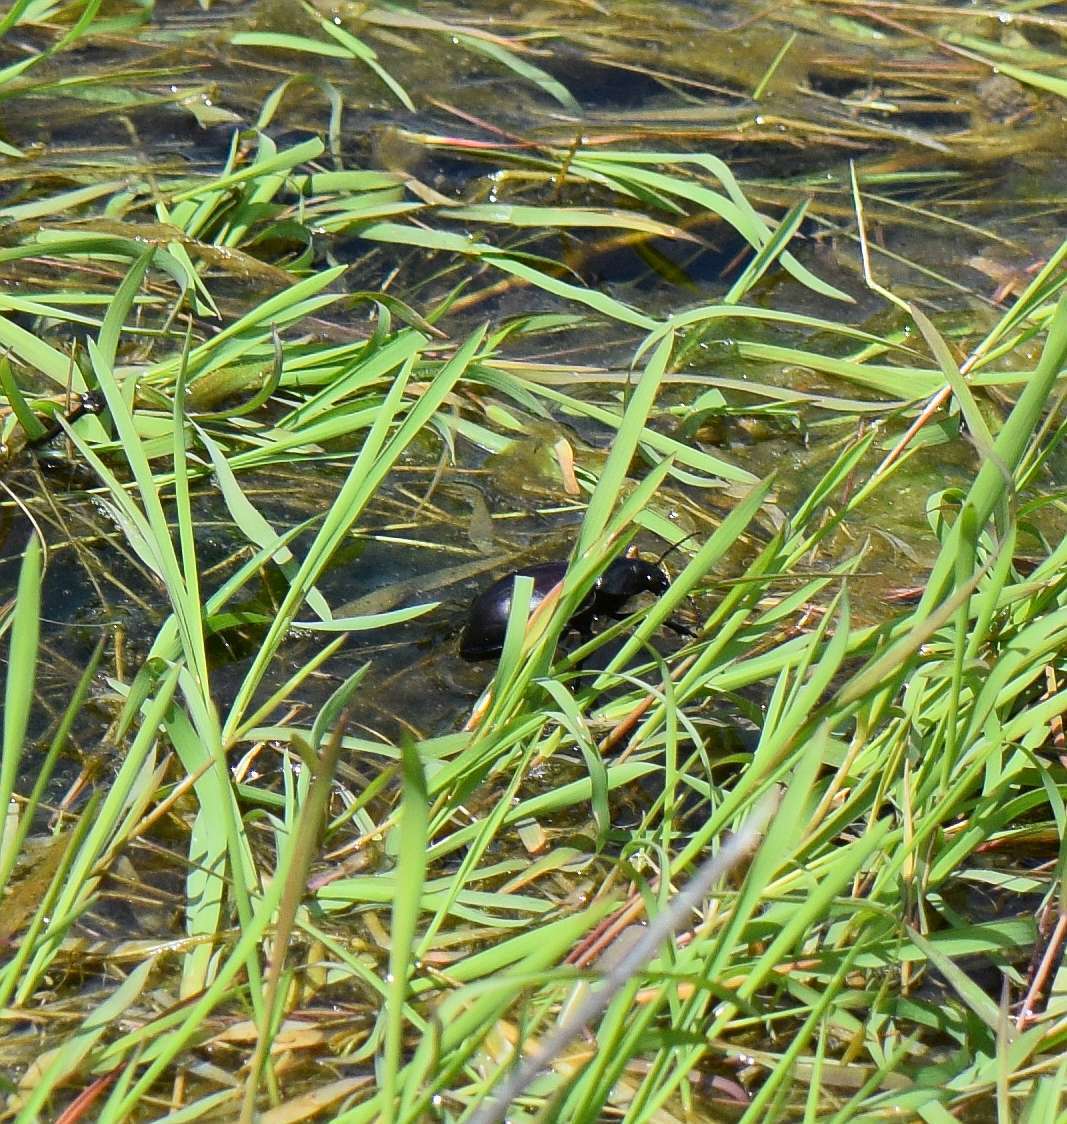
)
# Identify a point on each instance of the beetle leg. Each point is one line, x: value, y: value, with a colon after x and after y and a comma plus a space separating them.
x: 679, y: 628
x: 674, y: 625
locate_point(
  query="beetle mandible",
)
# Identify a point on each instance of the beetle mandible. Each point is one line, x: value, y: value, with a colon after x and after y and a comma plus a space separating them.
x: 483, y: 636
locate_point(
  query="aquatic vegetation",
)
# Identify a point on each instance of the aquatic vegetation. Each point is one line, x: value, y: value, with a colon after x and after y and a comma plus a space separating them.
x: 270, y: 846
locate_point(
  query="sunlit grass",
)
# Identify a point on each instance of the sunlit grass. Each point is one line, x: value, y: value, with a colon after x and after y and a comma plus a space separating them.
x: 392, y: 928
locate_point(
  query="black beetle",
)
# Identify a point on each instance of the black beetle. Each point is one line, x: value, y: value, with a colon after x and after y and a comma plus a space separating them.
x: 624, y: 578
x: 91, y: 402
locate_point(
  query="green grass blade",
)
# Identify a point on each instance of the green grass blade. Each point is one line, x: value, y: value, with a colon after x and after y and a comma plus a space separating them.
x: 411, y: 873
x: 18, y: 697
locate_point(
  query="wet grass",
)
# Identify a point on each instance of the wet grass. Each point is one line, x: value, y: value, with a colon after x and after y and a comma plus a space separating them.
x: 270, y: 853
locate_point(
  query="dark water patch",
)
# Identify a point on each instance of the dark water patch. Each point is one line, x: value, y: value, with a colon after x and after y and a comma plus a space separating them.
x: 600, y: 85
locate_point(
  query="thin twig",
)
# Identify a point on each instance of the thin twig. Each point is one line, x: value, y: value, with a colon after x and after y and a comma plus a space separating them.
x: 734, y: 851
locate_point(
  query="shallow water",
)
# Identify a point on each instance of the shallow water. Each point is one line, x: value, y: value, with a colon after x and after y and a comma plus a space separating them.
x: 961, y: 170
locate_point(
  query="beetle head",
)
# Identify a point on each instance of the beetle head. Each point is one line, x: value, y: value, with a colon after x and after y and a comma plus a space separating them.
x: 654, y: 578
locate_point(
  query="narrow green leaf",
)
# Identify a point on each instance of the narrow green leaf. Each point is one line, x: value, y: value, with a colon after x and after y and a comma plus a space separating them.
x: 411, y: 873
x: 18, y: 696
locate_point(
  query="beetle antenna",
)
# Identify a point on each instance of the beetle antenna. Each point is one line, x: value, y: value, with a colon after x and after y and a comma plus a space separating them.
x: 671, y: 549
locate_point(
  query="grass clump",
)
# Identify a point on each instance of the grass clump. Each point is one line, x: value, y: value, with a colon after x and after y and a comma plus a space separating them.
x: 896, y: 757
x: 836, y: 822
